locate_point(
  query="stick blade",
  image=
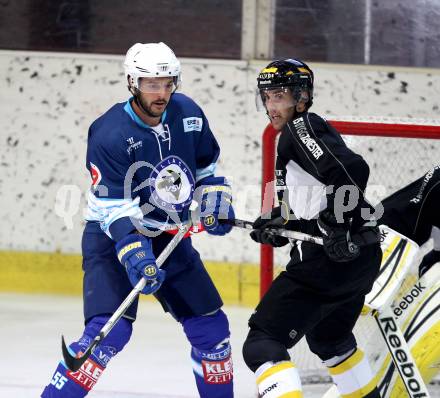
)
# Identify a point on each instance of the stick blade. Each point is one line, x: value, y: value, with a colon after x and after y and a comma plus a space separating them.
x: 73, y: 363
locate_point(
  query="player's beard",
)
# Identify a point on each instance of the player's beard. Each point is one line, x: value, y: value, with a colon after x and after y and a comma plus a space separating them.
x: 148, y: 108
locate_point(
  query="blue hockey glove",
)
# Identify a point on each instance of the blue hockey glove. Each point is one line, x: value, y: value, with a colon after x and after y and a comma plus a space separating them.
x: 136, y: 254
x: 215, y: 205
x: 336, y: 238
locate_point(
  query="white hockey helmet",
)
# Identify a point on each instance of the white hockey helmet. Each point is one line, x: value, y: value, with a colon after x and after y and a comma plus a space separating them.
x: 151, y: 60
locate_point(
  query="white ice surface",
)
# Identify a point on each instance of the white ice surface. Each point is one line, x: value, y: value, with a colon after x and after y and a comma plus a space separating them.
x: 155, y: 363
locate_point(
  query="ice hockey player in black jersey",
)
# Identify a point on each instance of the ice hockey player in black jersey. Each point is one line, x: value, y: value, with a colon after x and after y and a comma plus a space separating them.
x: 320, y: 184
x: 148, y: 158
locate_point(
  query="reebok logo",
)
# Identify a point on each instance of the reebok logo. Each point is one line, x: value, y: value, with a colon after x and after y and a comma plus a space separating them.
x: 305, y: 138
x: 406, y: 367
x: 408, y: 299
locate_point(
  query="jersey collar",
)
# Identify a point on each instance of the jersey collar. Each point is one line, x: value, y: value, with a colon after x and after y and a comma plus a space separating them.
x: 129, y: 109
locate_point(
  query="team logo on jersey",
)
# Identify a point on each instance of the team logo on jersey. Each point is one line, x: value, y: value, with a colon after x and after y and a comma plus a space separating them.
x: 133, y: 145
x: 96, y: 175
x: 192, y: 124
x: 172, y: 184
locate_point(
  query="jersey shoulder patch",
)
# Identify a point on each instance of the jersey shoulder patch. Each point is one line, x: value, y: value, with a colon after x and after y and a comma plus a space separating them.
x: 192, y: 124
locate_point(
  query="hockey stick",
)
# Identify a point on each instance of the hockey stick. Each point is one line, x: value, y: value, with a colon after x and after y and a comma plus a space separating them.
x: 396, y: 343
x: 400, y: 354
x: 291, y: 235
x: 75, y: 363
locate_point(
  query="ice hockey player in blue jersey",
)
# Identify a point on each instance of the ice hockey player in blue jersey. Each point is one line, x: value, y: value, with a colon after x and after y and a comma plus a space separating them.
x: 149, y: 158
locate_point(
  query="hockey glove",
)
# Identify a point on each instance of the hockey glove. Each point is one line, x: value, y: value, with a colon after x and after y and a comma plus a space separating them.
x: 428, y: 261
x: 274, y: 219
x: 215, y: 205
x: 136, y: 254
x: 336, y: 238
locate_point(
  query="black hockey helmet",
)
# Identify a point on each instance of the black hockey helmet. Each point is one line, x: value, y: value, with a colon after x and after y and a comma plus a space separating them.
x: 291, y: 73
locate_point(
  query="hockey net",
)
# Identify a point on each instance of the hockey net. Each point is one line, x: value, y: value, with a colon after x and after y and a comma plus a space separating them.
x: 398, y: 151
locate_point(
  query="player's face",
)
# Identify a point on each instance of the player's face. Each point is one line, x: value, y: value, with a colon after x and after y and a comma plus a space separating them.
x: 280, y: 106
x: 156, y: 93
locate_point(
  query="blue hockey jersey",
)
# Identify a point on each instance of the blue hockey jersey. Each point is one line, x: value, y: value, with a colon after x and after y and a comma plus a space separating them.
x: 147, y: 173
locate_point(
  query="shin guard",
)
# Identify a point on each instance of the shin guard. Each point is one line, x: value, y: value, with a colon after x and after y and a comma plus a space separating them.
x: 353, y: 376
x: 278, y: 379
x: 68, y: 384
x: 211, y: 354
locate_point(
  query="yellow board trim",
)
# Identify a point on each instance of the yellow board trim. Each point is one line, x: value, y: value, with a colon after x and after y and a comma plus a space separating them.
x: 275, y: 369
x: 348, y: 364
x: 61, y: 273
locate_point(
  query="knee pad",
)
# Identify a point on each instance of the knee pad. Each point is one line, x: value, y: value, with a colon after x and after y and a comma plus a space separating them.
x: 66, y: 383
x: 260, y: 348
x: 210, y: 353
x: 352, y: 374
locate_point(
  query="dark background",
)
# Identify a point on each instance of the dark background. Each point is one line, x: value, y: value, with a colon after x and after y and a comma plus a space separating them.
x: 404, y: 33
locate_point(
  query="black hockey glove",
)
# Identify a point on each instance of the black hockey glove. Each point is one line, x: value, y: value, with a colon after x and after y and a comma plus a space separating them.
x: 336, y: 238
x: 428, y: 261
x: 273, y: 219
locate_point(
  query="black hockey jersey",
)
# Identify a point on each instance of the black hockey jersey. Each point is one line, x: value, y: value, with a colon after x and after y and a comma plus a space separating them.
x: 314, y: 169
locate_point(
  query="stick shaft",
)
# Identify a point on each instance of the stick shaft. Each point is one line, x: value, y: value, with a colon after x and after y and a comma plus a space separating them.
x: 141, y: 284
x: 75, y: 363
x: 291, y: 235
